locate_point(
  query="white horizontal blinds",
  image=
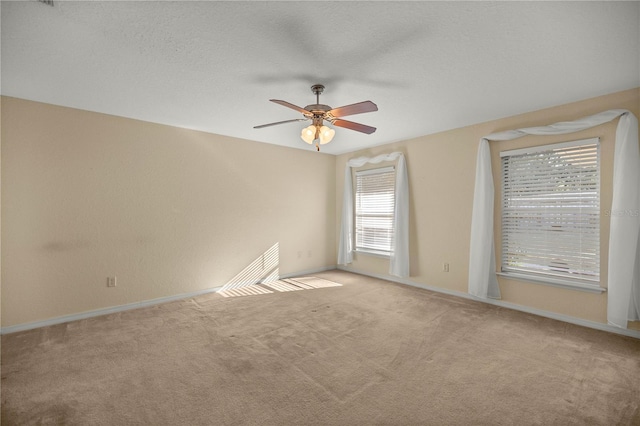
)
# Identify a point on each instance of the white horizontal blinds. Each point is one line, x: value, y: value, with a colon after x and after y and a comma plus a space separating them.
x: 551, y: 210
x: 374, y: 202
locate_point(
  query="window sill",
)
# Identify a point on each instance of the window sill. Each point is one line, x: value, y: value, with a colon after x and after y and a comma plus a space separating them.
x: 554, y: 282
x: 374, y: 253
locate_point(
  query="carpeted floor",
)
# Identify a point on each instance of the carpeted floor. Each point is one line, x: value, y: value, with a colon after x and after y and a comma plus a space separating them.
x: 368, y: 352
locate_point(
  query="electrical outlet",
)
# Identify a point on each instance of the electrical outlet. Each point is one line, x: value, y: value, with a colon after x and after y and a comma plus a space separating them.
x: 111, y: 281
x: 445, y: 267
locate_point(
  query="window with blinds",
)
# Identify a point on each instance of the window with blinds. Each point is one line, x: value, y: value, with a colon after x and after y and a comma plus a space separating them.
x: 551, y: 211
x: 374, y: 205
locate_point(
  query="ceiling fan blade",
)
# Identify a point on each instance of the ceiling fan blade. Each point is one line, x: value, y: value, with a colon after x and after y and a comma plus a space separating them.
x: 279, y: 122
x: 290, y: 105
x: 359, y: 108
x: 354, y: 126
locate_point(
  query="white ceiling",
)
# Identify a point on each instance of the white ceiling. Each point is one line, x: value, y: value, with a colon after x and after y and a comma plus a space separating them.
x: 213, y: 66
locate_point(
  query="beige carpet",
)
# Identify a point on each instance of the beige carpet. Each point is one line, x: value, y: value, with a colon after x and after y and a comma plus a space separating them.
x: 368, y: 352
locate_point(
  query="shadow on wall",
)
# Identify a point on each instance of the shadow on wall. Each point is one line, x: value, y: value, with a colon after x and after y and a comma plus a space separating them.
x: 262, y: 270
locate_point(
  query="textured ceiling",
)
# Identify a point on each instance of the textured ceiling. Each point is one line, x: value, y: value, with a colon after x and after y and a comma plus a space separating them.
x: 213, y: 66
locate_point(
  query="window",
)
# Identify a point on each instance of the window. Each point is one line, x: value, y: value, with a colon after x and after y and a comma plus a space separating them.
x: 551, y: 212
x: 374, y: 204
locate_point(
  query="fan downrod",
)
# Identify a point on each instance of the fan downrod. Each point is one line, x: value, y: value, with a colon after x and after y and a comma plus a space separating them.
x: 317, y: 110
x: 317, y: 89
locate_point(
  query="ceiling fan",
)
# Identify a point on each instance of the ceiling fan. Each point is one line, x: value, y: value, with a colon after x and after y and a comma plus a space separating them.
x: 317, y: 113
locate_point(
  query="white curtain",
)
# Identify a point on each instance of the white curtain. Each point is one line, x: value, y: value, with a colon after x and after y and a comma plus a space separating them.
x: 399, y: 261
x: 345, y: 246
x: 625, y: 225
x: 624, y: 238
x: 482, y: 260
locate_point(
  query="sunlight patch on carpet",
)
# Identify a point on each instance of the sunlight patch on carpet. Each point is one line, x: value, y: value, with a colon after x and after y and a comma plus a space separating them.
x: 281, y: 285
x: 314, y: 282
x: 284, y: 285
x: 249, y: 290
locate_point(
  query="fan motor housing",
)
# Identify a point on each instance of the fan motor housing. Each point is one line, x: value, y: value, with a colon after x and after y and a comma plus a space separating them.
x: 318, y: 109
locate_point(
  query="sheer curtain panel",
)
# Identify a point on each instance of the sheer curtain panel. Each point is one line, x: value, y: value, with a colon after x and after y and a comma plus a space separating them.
x: 623, y: 301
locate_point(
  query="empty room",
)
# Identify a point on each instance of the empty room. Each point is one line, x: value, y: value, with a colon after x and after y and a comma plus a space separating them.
x: 319, y: 213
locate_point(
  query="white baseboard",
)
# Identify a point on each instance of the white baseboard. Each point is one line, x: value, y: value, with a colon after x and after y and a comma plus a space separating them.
x: 151, y: 302
x: 509, y: 305
x: 134, y: 305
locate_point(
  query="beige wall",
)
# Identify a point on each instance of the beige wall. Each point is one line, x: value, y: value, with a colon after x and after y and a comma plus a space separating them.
x: 441, y: 171
x: 166, y: 210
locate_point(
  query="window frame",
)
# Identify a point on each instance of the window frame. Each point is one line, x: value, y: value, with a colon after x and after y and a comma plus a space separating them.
x: 370, y: 172
x: 558, y: 280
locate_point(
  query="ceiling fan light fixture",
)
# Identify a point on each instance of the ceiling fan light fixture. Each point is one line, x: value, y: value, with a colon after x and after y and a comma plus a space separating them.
x: 318, y: 113
x: 326, y: 135
x: 308, y: 134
